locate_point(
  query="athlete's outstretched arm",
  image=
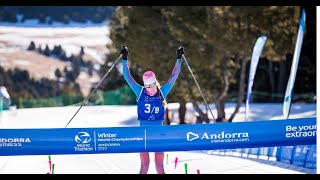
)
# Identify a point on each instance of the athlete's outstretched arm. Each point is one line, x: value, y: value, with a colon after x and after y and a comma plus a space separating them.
x: 166, y: 88
x: 127, y: 76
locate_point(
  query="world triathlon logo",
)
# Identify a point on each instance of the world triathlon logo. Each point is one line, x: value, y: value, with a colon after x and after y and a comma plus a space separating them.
x: 82, y: 137
x: 192, y: 136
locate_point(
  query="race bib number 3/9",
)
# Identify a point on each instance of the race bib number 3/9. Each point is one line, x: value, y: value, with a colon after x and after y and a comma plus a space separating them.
x: 149, y: 110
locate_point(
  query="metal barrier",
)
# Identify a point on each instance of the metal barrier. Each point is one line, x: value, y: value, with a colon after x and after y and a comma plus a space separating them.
x: 299, y: 155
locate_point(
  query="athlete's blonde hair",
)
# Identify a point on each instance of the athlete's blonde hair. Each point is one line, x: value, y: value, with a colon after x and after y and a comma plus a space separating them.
x: 163, y: 101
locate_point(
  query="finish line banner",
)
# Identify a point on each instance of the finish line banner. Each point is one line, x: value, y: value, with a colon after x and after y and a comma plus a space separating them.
x: 269, y: 133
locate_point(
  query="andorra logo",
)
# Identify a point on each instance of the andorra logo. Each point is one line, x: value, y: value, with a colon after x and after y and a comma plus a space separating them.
x: 192, y: 136
x: 82, y: 137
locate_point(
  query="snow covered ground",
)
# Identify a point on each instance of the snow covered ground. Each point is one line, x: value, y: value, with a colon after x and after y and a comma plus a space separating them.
x: 71, y: 39
x: 128, y: 163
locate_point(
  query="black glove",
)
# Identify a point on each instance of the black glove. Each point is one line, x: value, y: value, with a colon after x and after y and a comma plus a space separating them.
x: 180, y: 52
x: 124, y: 53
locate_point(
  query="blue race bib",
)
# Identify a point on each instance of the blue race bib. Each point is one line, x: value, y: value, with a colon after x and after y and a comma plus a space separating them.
x: 149, y: 107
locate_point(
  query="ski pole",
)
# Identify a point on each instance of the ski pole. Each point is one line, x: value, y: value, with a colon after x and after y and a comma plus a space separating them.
x: 198, y: 86
x: 95, y: 88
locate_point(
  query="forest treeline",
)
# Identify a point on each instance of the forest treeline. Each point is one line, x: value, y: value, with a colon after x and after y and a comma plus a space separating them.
x: 50, y: 14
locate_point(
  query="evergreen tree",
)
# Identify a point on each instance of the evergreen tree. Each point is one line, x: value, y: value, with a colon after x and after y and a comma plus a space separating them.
x: 58, y: 73
x: 81, y: 52
x: 46, y: 51
x: 39, y: 49
x: 32, y: 46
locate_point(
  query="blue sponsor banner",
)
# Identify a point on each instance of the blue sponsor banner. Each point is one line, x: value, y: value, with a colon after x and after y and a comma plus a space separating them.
x: 158, y: 138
